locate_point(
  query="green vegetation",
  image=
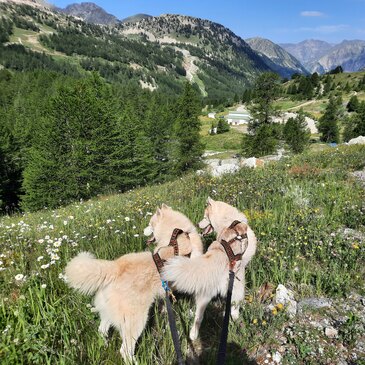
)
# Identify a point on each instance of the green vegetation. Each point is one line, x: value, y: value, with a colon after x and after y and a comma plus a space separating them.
x: 65, y: 139
x: 264, y: 133
x: 296, y: 133
x: 329, y: 122
x: 299, y: 210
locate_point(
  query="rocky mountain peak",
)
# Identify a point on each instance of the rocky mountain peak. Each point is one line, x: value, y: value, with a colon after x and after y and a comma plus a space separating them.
x: 90, y: 13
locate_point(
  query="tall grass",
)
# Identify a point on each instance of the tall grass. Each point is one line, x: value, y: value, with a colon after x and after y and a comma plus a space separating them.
x: 299, y: 209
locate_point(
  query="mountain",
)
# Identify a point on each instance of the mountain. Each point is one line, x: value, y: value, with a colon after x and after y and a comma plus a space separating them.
x: 350, y: 55
x: 214, y: 57
x: 307, y: 51
x: 136, y: 18
x: 155, y: 52
x: 91, y: 13
x: 277, y: 58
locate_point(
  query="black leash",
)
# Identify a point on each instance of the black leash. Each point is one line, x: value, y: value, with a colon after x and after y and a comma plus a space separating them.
x: 221, y: 358
x: 172, y: 324
x: 159, y: 262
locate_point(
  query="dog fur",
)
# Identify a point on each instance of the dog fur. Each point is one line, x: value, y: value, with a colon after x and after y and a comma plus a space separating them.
x: 126, y: 287
x: 207, y: 276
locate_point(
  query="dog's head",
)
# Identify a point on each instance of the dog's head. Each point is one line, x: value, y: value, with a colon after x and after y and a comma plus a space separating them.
x: 154, y: 224
x: 163, y: 223
x: 218, y: 215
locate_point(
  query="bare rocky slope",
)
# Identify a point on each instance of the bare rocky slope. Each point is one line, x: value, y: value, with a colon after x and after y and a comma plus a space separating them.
x: 276, y: 57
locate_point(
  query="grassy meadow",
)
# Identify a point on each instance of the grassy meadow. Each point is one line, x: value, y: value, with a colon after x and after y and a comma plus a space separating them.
x: 299, y: 209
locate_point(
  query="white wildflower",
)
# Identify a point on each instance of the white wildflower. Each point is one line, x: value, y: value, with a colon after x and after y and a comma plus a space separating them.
x: 127, y: 219
x: 19, y: 277
x: 44, y: 286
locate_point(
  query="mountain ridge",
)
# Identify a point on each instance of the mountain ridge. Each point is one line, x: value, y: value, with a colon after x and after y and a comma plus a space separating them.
x: 276, y: 57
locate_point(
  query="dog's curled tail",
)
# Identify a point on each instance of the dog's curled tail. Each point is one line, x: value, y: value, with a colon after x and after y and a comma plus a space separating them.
x: 195, y: 275
x: 87, y: 274
x: 196, y: 244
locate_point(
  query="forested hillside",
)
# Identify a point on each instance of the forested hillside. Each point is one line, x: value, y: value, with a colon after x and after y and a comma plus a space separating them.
x: 41, y: 38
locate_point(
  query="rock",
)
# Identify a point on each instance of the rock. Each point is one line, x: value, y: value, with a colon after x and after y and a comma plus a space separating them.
x: 277, y: 358
x: 252, y: 162
x: 331, y: 332
x: 357, y: 140
x: 314, y: 303
x: 285, y: 297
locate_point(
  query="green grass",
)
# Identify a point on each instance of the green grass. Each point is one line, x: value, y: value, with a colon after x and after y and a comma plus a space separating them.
x: 230, y: 140
x: 298, y: 209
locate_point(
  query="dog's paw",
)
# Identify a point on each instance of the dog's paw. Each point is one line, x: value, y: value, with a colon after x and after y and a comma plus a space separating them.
x: 235, y: 313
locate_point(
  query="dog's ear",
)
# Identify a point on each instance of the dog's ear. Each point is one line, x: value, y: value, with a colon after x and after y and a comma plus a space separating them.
x: 164, y: 206
x: 210, y: 201
x: 158, y: 212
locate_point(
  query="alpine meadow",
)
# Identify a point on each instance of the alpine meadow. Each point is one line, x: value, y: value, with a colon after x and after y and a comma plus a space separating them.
x: 107, y: 123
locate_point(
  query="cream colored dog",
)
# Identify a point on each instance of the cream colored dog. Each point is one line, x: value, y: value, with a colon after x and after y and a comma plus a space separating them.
x: 207, y: 276
x: 126, y: 287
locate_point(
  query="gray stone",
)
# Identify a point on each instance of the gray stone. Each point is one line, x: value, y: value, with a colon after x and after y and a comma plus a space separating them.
x: 314, y: 303
x: 331, y: 332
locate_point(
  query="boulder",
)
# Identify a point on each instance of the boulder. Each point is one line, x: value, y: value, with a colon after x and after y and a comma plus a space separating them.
x: 285, y: 297
x: 357, y: 140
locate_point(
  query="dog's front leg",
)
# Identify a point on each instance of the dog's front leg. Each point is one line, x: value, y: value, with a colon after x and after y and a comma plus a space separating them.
x: 201, y: 305
x: 238, y: 293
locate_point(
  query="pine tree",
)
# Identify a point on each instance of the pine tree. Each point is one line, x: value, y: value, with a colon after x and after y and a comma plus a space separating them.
x: 158, y: 129
x: 266, y: 91
x: 296, y: 133
x: 353, y: 104
x: 187, y: 128
x: 222, y: 126
x: 72, y: 154
x: 263, y: 135
x: 328, y: 123
x: 359, y: 129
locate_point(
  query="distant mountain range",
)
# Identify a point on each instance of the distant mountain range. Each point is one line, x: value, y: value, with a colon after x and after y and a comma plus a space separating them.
x: 319, y: 56
x: 218, y: 61
x: 305, y: 57
x: 276, y: 57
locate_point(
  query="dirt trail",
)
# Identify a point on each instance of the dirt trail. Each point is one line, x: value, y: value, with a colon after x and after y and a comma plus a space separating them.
x: 301, y: 105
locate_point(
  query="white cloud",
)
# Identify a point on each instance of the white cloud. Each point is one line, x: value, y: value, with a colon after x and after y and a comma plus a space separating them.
x: 311, y: 13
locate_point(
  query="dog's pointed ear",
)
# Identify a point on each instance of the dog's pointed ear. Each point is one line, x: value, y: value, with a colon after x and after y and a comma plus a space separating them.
x: 158, y: 212
x: 210, y: 201
x: 164, y: 206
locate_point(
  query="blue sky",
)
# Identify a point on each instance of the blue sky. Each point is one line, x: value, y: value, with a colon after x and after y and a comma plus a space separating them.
x: 278, y: 20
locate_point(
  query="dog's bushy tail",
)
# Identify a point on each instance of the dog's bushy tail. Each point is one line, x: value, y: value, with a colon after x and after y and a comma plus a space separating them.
x: 196, y: 275
x: 87, y: 274
x: 196, y: 244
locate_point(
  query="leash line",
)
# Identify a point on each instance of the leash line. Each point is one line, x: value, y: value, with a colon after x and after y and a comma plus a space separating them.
x: 173, y: 329
x: 221, y: 357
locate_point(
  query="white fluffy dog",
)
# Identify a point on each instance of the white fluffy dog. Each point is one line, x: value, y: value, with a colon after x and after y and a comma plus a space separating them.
x: 207, y: 276
x: 126, y: 287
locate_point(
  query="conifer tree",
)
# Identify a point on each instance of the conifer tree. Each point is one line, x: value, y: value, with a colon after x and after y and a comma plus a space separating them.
x: 263, y: 135
x: 296, y: 133
x: 328, y: 123
x: 159, y: 132
x: 359, y: 128
x: 187, y: 128
x: 71, y: 155
x: 353, y: 104
x: 222, y: 126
